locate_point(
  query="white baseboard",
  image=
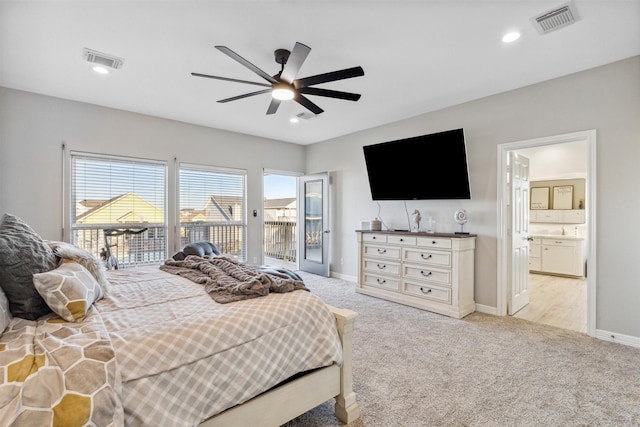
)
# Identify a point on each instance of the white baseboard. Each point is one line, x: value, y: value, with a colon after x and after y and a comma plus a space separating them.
x: 486, y: 309
x: 619, y: 338
x: 344, y: 277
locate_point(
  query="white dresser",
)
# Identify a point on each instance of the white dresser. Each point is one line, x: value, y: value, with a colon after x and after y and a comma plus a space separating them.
x: 433, y: 272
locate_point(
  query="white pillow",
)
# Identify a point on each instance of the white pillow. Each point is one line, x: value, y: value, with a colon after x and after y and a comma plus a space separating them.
x: 67, y: 251
x: 69, y: 290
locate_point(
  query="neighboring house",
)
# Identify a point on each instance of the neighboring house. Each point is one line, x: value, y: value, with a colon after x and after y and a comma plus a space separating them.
x: 192, y: 215
x: 224, y: 209
x: 128, y: 208
x: 280, y: 209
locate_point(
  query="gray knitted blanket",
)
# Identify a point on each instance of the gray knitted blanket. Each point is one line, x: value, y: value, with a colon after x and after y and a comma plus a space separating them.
x: 227, y: 280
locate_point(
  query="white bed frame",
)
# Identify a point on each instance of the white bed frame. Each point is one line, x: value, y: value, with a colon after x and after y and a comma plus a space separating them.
x: 284, y: 403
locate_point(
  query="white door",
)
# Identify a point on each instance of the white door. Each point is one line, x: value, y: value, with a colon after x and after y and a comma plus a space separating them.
x: 313, y: 224
x: 519, y: 242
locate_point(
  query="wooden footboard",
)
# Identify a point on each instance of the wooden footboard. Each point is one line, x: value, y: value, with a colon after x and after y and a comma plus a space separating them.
x: 281, y: 404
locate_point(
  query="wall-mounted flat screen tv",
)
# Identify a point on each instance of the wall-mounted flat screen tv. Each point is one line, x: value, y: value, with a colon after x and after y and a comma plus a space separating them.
x: 426, y: 167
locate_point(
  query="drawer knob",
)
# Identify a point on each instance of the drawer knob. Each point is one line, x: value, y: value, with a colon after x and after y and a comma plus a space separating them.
x: 401, y: 239
x: 426, y: 257
x: 426, y: 274
x: 381, y: 266
x: 428, y: 291
x: 433, y: 242
x: 382, y: 251
x: 381, y: 281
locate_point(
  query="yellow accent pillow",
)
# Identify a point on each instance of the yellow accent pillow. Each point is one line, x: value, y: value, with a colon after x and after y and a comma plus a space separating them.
x: 69, y: 290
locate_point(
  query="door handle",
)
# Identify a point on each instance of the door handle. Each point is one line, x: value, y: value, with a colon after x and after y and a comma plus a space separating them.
x: 530, y: 239
x: 327, y: 231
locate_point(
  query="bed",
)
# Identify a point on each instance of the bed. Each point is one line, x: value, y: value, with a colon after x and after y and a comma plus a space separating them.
x: 158, y: 350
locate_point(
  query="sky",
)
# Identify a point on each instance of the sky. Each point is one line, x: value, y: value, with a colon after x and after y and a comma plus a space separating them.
x: 279, y: 186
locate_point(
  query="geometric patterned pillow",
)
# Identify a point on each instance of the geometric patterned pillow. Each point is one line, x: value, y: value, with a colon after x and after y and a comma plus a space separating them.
x: 69, y: 290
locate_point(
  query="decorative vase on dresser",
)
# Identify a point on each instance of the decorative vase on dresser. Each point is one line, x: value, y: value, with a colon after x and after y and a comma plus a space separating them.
x: 431, y: 271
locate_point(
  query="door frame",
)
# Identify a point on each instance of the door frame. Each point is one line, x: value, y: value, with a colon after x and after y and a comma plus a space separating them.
x: 267, y: 171
x: 503, y: 226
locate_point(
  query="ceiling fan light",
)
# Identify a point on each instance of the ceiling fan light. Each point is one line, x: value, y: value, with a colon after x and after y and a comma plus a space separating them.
x: 282, y: 93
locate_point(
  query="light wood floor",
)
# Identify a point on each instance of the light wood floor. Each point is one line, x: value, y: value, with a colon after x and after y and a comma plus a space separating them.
x: 557, y: 301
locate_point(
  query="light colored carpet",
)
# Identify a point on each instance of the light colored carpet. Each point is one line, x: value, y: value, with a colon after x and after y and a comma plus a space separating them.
x: 416, y: 368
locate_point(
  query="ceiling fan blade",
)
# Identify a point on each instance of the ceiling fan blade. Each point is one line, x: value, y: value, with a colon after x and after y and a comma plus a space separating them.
x: 273, y: 106
x: 330, y: 93
x: 246, y: 63
x: 295, y: 61
x: 300, y: 99
x: 246, y: 95
x: 230, y: 80
x: 347, y: 73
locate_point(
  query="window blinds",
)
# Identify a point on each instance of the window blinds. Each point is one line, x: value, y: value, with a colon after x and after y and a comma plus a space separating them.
x: 213, y: 208
x: 109, y: 193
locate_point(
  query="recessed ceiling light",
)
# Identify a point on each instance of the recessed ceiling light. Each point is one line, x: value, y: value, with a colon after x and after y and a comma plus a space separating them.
x: 100, y: 70
x: 294, y: 120
x: 511, y: 37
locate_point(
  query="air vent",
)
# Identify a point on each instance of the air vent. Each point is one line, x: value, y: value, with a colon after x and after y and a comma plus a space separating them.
x: 556, y: 18
x: 102, y: 59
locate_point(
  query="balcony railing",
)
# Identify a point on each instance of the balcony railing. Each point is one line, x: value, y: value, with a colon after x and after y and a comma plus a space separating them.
x: 148, y: 247
x: 280, y: 240
x: 227, y: 236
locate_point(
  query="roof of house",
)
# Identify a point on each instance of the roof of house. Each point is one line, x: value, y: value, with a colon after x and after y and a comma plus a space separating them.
x: 280, y: 203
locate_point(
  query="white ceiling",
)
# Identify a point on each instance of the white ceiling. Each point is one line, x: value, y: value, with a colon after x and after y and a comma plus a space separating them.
x: 418, y: 56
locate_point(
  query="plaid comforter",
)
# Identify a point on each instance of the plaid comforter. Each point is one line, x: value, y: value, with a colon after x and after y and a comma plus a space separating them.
x: 183, y: 357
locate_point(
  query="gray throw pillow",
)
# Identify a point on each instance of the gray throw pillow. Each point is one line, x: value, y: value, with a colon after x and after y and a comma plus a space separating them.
x: 5, y: 314
x: 22, y: 254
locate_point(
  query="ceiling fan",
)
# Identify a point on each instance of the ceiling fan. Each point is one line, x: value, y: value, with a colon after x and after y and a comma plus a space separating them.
x: 284, y: 85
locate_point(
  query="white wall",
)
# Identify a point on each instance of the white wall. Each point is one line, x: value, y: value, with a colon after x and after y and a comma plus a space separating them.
x: 605, y: 98
x: 33, y: 127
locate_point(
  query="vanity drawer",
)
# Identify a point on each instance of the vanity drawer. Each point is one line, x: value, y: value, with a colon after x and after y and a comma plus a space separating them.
x: 534, y: 264
x: 381, y: 252
x: 426, y: 273
x: 434, y: 293
x: 559, y: 242
x: 440, y: 258
x: 381, y: 266
x: 434, y: 242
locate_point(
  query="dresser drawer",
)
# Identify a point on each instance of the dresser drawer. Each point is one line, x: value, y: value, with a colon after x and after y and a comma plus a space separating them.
x: 381, y: 252
x: 379, y: 238
x: 434, y: 293
x: 390, y: 283
x: 443, y: 277
x: 401, y: 240
x: 381, y: 266
x: 439, y: 258
x: 434, y: 242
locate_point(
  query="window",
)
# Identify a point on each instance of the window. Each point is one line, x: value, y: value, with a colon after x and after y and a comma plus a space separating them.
x: 118, y: 209
x: 213, y: 208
